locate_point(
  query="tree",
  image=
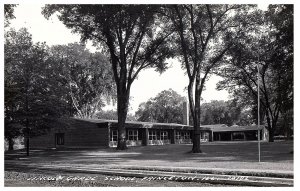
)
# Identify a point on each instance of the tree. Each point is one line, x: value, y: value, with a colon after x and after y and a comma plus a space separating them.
x: 113, y: 115
x: 32, y: 101
x: 87, y: 80
x: 166, y: 107
x: 281, y: 17
x: 8, y: 13
x: 273, y: 54
x: 203, y: 34
x: 131, y: 34
x: 220, y: 112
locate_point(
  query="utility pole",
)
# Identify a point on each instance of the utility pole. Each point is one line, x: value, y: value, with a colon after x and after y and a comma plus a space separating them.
x: 258, y: 103
x: 258, y: 112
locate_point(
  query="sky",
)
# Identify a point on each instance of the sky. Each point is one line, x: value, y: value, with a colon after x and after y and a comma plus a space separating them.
x: 149, y: 82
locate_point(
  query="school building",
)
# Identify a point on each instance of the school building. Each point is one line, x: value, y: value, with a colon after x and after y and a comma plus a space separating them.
x: 103, y: 133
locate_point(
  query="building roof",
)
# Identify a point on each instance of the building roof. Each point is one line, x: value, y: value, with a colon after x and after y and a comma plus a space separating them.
x: 139, y: 124
x: 216, y: 128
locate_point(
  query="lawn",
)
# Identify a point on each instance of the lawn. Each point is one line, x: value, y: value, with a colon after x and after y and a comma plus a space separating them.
x: 275, y: 156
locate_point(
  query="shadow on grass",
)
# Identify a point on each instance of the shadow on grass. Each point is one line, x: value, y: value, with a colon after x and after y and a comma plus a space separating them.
x: 167, y: 154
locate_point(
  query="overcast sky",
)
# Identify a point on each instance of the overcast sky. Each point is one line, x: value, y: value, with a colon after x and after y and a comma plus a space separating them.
x: 149, y: 82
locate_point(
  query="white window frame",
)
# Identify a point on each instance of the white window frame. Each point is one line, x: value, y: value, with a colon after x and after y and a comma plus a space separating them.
x: 132, y: 135
x: 178, y: 135
x: 114, y: 134
x: 153, y: 135
x: 187, y: 135
x: 163, y: 135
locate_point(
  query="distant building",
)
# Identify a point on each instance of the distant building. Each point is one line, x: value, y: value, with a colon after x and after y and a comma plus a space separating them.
x: 221, y: 132
x: 103, y: 133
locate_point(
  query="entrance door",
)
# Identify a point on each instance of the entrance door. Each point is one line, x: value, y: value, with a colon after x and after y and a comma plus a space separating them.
x: 59, y: 139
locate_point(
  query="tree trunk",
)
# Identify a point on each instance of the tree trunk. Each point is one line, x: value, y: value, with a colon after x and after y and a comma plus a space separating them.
x: 270, y: 127
x: 122, y: 114
x: 27, y: 136
x: 10, y: 144
x: 196, y: 137
x: 197, y: 113
x: 271, y: 134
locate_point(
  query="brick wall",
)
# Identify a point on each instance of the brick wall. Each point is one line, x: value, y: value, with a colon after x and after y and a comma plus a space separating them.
x: 78, y: 134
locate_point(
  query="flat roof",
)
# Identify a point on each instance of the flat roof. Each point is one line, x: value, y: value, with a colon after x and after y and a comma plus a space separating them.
x: 233, y: 128
x: 139, y: 124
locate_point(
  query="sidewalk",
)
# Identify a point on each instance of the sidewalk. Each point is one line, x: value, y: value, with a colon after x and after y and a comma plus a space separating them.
x: 213, y: 176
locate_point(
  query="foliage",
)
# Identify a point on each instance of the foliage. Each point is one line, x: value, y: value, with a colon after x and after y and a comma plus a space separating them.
x: 112, y: 115
x: 220, y: 112
x: 8, y: 13
x: 166, y: 107
x: 31, y: 94
x: 273, y: 52
x: 87, y: 80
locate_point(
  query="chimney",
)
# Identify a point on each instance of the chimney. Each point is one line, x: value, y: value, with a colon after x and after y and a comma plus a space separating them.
x: 186, y: 120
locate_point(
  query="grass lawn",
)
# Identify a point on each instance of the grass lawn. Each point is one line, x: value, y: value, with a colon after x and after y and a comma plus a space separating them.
x: 224, y: 155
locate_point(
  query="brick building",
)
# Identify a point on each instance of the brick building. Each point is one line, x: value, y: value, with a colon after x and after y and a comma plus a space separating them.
x: 103, y: 133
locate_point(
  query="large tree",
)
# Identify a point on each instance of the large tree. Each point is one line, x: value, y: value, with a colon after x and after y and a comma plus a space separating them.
x: 203, y: 35
x: 220, y: 112
x: 133, y: 37
x: 32, y: 97
x: 271, y: 49
x: 166, y: 107
x: 87, y: 80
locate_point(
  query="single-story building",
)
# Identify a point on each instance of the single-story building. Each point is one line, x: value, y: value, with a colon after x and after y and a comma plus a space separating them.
x: 97, y: 133
x: 222, y: 132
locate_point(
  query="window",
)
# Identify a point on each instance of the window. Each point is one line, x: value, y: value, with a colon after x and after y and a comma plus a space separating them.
x: 178, y: 135
x: 206, y: 135
x: 114, y: 135
x: 152, y: 135
x: 132, y: 135
x: 186, y: 135
x: 163, y: 135
x: 60, y: 138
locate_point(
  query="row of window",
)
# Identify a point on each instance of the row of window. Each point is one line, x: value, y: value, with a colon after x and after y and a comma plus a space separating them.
x: 182, y: 135
x: 132, y: 135
x: 158, y: 135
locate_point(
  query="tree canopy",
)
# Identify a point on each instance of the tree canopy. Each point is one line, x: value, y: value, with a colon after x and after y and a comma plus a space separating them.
x: 8, y: 13
x: 221, y: 112
x: 166, y: 107
x: 32, y: 98
x: 271, y: 49
x: 87, y: 80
